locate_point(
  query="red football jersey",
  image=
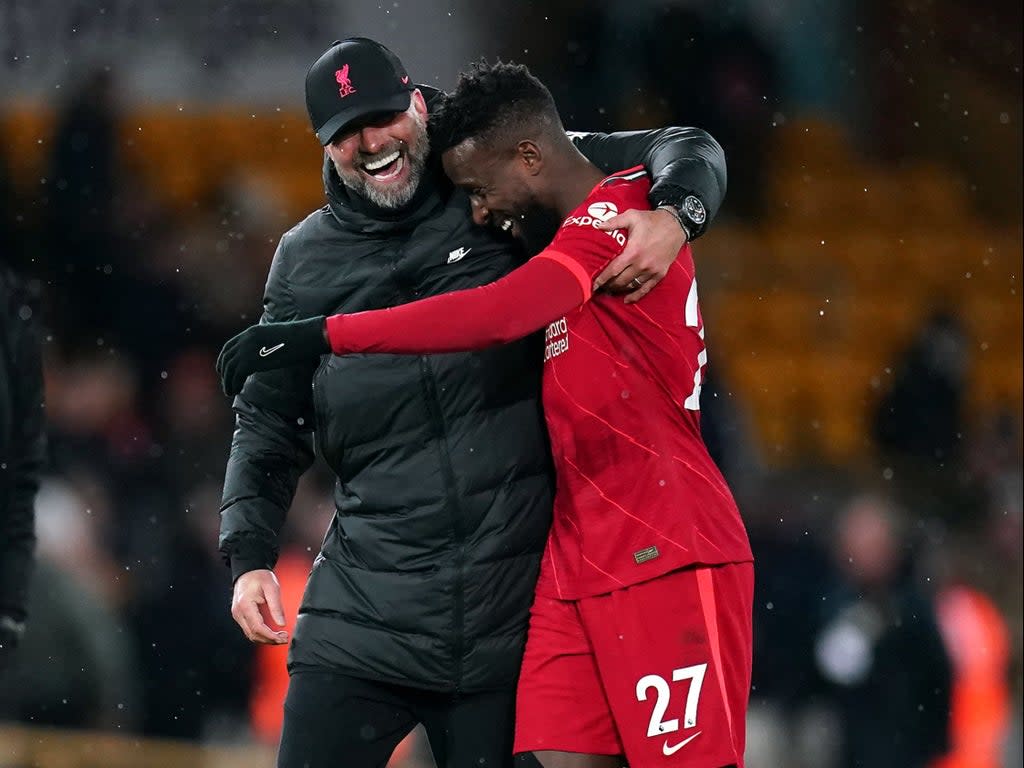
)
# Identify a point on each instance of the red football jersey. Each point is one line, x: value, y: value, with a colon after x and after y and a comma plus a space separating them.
x: 638, y: 495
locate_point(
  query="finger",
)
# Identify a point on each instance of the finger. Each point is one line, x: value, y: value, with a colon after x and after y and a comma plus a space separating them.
x: 612, y: 271
x: 625, y: 281
x: 243, y: 620
x: 643, y: 290
x: 624, y: 267
x: 271, y: 621
x: 624, y: 220
x: 259, y: 631
x: 275, y: 609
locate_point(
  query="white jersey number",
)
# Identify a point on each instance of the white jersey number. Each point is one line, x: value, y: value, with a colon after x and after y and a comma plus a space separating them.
x: 693, y: 321
x: 659, y: 725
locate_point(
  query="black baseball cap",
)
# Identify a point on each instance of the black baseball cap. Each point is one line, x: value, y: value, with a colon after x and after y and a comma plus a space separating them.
x: 352, y: 78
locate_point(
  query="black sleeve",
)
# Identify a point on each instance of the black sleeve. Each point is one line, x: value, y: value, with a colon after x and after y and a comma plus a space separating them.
x: 272, y: 446
x: 22, y: 347
x: 681, y: 161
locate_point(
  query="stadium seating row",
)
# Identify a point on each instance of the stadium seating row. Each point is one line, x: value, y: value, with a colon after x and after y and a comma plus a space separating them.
x: 806, y: 313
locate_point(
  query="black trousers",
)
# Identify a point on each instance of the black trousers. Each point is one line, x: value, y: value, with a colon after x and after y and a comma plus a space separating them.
x: 337, y: 721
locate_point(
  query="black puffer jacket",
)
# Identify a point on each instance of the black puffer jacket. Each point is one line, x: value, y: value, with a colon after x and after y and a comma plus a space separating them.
x: 444, y: 486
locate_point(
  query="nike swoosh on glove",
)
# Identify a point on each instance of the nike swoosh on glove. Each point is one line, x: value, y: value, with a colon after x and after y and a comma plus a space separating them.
x: 267, y: 347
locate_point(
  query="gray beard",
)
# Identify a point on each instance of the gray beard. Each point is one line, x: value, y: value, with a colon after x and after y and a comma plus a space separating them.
x: 392, y: 196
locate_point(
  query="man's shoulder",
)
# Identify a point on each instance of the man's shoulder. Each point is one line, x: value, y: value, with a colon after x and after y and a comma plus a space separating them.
x: 629, y: 186
x: 613, y: 195
x: 300, y: 261
x: 616, y: 193
x: 315, y: 225
x: 299, y: 244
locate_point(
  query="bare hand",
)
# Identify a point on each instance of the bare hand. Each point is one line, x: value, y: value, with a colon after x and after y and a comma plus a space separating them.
x: 655, y: 238
x: 255, y: 604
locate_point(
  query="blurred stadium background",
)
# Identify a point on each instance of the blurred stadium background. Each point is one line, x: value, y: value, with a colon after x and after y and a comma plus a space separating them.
x: 862, y: 289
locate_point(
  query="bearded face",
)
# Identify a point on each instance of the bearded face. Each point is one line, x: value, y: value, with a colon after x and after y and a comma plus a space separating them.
x: 383, y: 160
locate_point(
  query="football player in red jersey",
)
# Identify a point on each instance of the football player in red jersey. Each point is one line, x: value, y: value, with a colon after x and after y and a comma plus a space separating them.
x: 639, y: 646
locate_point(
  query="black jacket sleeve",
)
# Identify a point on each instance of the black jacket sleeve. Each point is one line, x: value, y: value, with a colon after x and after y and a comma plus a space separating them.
x: 23, y: 445
x: 681, y: 161
x: 272, y: 445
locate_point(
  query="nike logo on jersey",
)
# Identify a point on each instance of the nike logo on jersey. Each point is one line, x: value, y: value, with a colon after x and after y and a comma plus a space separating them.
x: 458, y: 254
x: 667, y: 750
x: 264, y: 351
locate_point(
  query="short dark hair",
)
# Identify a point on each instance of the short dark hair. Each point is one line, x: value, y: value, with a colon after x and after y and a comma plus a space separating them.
x: 491, y: 102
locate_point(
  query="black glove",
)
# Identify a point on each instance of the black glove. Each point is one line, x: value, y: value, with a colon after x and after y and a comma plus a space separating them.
x: 268, y: 347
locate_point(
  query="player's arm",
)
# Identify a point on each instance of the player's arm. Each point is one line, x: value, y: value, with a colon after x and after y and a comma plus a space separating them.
x: 680, y: 161
x: 689, y: 176
x: 527, y: 299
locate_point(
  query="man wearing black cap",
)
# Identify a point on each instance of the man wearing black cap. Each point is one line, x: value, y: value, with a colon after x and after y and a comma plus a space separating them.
x: 416, y: 608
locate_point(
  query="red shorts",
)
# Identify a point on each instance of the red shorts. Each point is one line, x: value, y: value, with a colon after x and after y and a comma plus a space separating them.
x: 658, y: 671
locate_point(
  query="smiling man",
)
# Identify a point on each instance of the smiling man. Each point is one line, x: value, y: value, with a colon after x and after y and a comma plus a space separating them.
x: 386, y: 172
x: 417, y: 606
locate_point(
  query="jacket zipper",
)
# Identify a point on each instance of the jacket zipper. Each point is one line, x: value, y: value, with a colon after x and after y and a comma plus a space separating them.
x: 318, y: 433
x: 430, y: 384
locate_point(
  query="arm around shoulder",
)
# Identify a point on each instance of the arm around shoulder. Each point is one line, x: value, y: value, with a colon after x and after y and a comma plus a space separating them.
x: 682, y: 162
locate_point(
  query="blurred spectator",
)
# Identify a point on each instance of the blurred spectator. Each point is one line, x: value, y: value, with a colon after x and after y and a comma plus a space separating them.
x: 82, y: 182
x: 84, y: 551
x: 783, y: 514
x: 995, y: 464
x: 727, y: 433
x: 685, y: 64
x: 745, y: 81
x: 977, y: 637
x: 102, y: 229
x: 879, y: 651
x: 640, y: 63
x: 193, y: 423
x: 96, y: 422
x: 919, y: 422
x: 921, y: 417
x: 196, y: 667
x: 219, y: 256
x: 794, y: 574
x: 11, y: 230
x: 76, y: 667
x: 21, y: 451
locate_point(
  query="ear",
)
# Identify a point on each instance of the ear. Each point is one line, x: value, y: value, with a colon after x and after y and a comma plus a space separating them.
x: 419, y: 103
x: 530, y: 156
